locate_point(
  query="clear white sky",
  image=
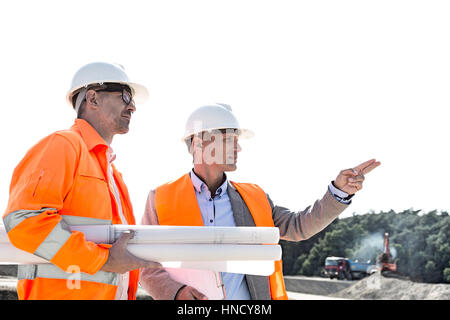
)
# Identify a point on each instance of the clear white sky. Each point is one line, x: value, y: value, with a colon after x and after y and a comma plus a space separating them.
x: 325, y: 85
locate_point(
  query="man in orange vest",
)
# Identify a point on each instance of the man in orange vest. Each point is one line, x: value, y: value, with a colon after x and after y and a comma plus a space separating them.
x: 68, y: 179
x: 206, y: 197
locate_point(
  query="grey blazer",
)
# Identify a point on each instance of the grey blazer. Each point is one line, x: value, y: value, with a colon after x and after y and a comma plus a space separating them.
x: 293, y: 226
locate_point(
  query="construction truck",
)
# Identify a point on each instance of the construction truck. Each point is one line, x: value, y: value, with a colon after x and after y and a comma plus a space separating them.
x: 384, y: 261
x: 344, y: 268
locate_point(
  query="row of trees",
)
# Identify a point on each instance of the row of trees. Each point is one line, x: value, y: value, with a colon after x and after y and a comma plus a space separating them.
x: 420, y: 242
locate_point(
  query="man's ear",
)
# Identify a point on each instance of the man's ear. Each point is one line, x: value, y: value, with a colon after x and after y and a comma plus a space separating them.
x: 196, y: 143
x: 191, y: 147
x: 92, y: 98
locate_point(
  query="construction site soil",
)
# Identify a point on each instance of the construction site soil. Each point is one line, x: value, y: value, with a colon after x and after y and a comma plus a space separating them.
x: 378, y: 287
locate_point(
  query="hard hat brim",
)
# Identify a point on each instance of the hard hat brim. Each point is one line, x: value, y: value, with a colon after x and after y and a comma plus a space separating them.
x: 243, y: 133
x: 140, y: 92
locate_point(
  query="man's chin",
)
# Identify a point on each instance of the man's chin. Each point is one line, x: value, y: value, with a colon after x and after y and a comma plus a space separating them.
x: 230, y: 167
x: 123, y: 125
x: 123, y: 130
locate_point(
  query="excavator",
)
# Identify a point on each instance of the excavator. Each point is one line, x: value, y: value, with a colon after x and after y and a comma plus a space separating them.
x: 384, y: 261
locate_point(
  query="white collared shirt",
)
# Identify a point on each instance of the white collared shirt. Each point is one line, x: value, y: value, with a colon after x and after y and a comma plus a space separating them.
x: 122, y: 289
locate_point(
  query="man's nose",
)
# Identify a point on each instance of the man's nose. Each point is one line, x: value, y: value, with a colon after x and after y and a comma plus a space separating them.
x: 131, y: 107
x: 238, y: 147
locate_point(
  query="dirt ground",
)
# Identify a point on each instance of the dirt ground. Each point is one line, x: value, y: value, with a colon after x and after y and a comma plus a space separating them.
x: 377, y: 287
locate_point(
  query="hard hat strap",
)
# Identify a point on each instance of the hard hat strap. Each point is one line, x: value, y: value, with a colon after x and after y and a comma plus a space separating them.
x: 81, y: 96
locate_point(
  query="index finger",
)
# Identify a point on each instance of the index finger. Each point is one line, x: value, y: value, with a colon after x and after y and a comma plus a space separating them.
x: 349, y: 172
x: 364, y: 165
x: 125, y: 236
x: 371, y: 167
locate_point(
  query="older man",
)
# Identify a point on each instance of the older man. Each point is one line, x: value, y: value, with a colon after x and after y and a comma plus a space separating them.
x: 68, y: 179
x: 204, y: 196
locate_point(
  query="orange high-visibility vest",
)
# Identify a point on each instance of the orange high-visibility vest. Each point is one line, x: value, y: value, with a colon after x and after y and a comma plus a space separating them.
x: 176, y: 204
x: 63, y: 181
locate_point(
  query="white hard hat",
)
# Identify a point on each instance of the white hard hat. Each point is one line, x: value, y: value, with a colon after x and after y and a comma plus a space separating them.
x: 212, y: 117
x: 103, y: 72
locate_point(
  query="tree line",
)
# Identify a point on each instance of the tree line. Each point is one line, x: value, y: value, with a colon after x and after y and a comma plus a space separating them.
x: 419, y: 242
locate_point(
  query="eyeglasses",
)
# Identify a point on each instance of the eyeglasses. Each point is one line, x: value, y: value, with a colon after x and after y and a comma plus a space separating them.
x: 229, y: 134
x: 116, y: 87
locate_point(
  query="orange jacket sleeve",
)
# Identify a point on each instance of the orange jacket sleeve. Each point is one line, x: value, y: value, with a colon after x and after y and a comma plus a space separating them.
x: 38, y: 188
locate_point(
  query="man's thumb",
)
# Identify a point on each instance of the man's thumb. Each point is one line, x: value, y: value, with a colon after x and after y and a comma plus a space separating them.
x: 125, y: 237
x: 198, y: 295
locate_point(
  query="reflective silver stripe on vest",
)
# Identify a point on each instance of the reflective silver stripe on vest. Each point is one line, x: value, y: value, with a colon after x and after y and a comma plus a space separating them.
x: 51, y: 245
x: 58, y: 236
x: 61, y: 233
x: 77, y: 220
x: 54, y: 241
x: 16, y: 217
x: 50, y: 271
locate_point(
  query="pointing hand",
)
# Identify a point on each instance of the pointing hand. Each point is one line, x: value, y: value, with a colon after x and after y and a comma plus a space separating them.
x: 351, y: 180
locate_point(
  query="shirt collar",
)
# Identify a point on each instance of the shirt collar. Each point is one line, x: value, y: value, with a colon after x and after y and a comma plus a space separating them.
x: 200, y: 186
x: 89, y: 134
x: 110, y: 154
